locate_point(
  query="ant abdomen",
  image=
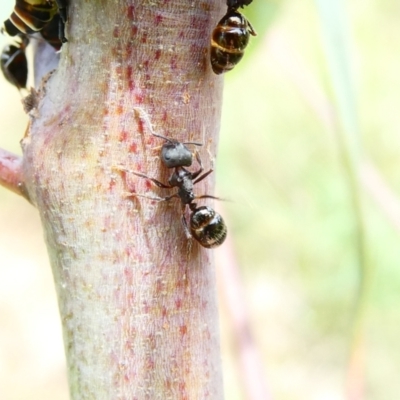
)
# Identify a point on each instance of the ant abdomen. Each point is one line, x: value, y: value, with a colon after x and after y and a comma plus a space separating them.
x: 207, y: 227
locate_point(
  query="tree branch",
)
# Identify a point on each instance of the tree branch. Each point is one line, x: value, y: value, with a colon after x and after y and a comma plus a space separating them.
x: 137, y: 300
x: 11, y: 176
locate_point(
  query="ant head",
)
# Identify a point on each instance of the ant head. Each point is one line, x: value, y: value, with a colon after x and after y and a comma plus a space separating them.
x: 176, y: 154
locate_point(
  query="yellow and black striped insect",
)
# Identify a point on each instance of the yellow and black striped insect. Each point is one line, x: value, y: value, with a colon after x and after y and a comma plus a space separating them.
x: 31, y: 16
x: 230, y: 38
x: 51, y: 34
x: 14, y: 64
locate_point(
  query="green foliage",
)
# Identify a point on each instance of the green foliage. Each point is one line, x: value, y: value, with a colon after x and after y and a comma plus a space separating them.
x: 314, y: 99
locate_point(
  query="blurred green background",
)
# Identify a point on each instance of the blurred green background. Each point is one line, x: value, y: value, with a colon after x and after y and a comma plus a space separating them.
x: 308, y: 155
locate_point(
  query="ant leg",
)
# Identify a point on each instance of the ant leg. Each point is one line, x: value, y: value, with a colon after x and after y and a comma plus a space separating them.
x: 196, y: 174
x: 201, y: 169
x: 155, y: 181
x: 184, y: 224
x: 207, y: 196
x: 200, y: 178
x: 156, y: 198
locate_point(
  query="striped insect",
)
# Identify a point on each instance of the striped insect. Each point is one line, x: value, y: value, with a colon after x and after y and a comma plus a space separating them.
x: 14, y: 64
x: 230, y: 38
x: 31, y: 16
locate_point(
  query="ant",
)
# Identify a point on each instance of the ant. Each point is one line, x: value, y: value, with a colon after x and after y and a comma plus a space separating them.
x: 205, y: 224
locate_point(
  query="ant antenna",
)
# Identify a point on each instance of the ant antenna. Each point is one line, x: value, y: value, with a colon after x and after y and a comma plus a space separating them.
x: 175, y: 141
x: 144, y: 115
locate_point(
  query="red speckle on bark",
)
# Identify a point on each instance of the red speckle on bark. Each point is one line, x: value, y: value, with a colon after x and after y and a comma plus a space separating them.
x: 158, y: 54
x: 140, y: 126
x: 182, y: 390
x: 181, y: 283
x: 129, y: 71
x: 129, y: 76
x: 128, y: 52
x: 139, y: 98
x: 158, y: 19
x: 149, y: 185
x: 47, y: 140
x: 164, y: 312
x: 134, y: 30
x: 128, y: 251
x: 144, y: 37
x: 158, y: 287
x: 198, y: 23
x: 133, y: 148
x: 128, y: 271
x: 111, y: 184
x: 173, y: 62
x: 123, y: 136
x: 150, y: 364
x: 130, y: 12
x: 178, y: 303
x: 118, y: 70
x: 183, y: 330
x: 146, y: 310
x: 116, y: 32
x: 165, y: 116
x: 123, y: 175
x: 181, y: 34
x: 119, y: 110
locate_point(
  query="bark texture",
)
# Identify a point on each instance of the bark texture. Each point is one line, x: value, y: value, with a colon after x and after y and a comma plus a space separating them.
x: 137, y: 302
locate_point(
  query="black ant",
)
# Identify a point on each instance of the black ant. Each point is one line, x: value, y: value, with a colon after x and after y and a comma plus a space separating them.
x: 205, y: 225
